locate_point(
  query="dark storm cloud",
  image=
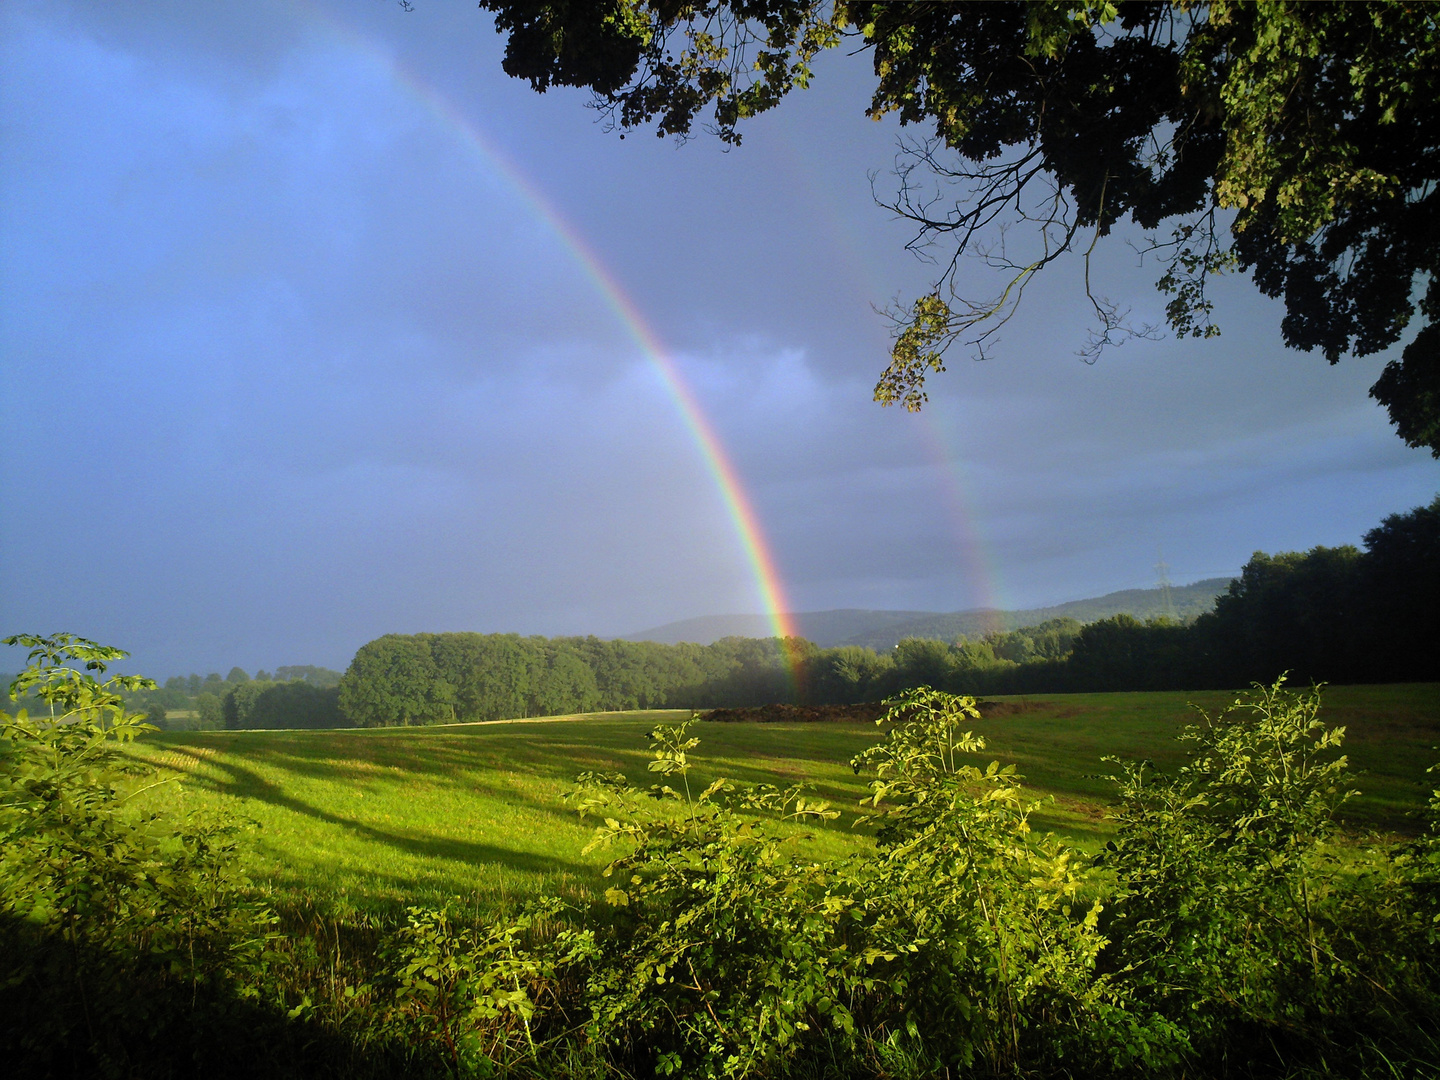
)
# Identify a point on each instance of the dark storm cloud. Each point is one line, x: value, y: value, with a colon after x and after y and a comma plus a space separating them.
x: 288, y: 366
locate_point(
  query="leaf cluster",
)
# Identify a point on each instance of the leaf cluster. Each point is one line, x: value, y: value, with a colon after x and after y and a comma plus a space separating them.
x: 1232, y: 910
x: 474, y: 991
x: 1291, y: 141
x: 91, y: 891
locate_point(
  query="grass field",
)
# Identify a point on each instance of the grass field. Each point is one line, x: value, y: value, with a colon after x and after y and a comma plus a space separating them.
x: 472, y: 814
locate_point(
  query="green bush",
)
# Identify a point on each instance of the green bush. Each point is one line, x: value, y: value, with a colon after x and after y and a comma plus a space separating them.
x: 108, y: 916
x: 1237, y: 918
x: 985, y: 935
x: 1224, y: 932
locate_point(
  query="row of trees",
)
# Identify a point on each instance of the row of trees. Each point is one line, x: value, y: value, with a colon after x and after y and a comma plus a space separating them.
x: 439, y: 678
x: 1338, y: 614
x: 293, y: 703
x: 1329, y: 614
x: 436, y: 678
x: 214, y: 701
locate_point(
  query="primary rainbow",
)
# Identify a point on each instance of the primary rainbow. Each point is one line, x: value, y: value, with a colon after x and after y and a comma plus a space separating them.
x: 712, y: 452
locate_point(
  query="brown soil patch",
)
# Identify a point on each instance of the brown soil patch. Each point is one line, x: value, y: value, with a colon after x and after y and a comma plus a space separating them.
x: 866, y: 712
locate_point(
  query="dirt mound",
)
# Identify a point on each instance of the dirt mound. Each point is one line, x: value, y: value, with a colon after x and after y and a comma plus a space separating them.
x: 991, y: 710
x: 798, y: 714
x: 867, y: 712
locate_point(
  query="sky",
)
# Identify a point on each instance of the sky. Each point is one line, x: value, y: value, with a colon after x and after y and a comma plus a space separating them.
x: 298, y: 347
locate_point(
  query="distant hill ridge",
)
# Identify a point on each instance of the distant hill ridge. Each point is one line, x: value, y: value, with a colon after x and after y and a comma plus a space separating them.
x: 881, y: 630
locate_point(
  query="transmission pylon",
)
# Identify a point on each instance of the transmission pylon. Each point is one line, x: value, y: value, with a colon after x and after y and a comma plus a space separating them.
x: 1162, y: 574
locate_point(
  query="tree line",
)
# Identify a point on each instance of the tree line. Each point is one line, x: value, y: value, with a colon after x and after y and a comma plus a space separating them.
x: 293, y: 695
x: 1327, y: 615
x: 1331, y: 614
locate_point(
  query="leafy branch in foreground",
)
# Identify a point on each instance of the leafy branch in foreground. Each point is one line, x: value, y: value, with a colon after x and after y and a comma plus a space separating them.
x: 95, y: 894
x: 1290, y: 141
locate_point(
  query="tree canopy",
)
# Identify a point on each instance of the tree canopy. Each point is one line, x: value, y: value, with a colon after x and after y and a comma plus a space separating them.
x: 1287, y: 140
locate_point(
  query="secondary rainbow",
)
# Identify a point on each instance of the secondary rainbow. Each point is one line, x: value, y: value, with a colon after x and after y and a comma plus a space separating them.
x: 717, y: 462
x: 935, y: 431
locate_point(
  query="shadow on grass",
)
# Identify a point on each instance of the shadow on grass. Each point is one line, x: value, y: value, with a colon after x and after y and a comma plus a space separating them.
x: 80, y: 1010
x: 249, y: 784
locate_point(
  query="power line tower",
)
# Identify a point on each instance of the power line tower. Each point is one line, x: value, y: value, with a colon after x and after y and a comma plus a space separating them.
x: 1162, y: 573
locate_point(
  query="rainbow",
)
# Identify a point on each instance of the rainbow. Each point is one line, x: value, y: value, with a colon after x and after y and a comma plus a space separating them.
x: 962, y: 521
x: 934, y: 429
x: 723, y: 473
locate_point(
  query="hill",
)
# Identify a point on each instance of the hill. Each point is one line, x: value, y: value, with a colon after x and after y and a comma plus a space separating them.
x: 824, y: 628
x: 880, y: 630
x: 1186, y: 602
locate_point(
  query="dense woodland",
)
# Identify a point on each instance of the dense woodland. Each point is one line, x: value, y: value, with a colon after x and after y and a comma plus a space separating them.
x: 1327, y: 615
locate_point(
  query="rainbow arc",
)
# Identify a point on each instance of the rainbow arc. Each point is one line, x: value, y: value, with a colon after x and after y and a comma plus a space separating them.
x: 721, y: 469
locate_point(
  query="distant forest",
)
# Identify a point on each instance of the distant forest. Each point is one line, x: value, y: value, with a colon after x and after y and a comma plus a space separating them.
x: 1327, y: 615
x: 883, y: 630
x: 297, y: 695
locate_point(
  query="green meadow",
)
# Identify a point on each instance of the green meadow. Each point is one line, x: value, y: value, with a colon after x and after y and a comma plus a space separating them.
x: 473, y: 815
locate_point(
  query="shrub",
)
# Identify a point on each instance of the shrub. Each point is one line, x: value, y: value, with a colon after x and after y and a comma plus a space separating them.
x: 1224, y: 932
x: 104, y: 911
x: 723, y: 959
x: 1235, y: 918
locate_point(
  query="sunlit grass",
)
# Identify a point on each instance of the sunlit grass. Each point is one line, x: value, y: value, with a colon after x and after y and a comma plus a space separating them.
x: 1059, y: 742
x: 461, y: 814
x: 473, y: 815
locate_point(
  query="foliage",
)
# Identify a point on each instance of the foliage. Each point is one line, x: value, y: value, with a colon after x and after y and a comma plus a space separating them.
x: 1233, y: 916
x: 74, y: 861
x: 307, y: 673
x: 1421, y: 865
x: 1301, y: 127
x: 293, y: 704
x: 723, y: 955
x: 473, y: 992
x: 1224, y: 924
x: 209, y: 710
x: 962, y: 942
x: 430, y: 678
x: 92, y: 894
x: 1334, y: 613
x: 990, y: 942
x: 201, y: 701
